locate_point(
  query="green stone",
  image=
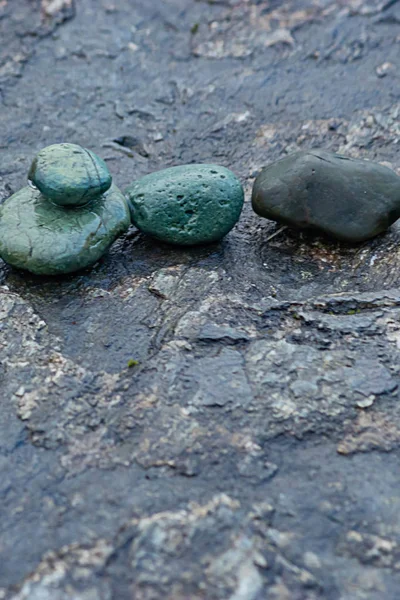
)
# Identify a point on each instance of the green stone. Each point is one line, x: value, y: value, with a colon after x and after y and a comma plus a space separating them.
x: 47, y: 239
x: 191, y: 204
x: 69, y: 175
x: 349, y: 199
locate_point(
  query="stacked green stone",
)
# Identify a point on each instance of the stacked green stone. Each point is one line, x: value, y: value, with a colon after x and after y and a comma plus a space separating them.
x: 68, y: 216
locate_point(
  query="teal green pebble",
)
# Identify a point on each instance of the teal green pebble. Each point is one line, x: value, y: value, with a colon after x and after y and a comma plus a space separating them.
x: 186, y: 205
x: 69, y: 175
x: 46, y: 239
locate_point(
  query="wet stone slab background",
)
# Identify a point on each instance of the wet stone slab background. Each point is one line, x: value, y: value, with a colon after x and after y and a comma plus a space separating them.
x: 252, y: 452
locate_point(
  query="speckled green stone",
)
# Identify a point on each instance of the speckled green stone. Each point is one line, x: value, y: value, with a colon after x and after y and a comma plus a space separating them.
x: 69, y: 175
x: 47, y: 239
x: 191, y: 204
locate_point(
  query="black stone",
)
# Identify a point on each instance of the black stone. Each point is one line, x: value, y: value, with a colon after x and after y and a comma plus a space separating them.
x: 349, y: 199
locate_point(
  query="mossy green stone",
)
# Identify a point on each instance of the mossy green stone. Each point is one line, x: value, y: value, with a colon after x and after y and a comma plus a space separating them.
x: 190, y: 204
x: 69, y: 175
x: 350, y: 199
x: 47, y: 239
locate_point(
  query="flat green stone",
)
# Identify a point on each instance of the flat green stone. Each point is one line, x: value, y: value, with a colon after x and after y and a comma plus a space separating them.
x: 191, y: 204
x: 47, y: 239
x: 69, y: 175
x: 349, y: 199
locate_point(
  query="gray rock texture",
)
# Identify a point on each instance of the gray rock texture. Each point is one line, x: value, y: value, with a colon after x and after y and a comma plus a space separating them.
x: 253, y: 451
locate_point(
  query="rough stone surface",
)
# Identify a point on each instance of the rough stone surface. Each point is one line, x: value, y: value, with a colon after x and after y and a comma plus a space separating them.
x: 289, y: 489
x: 47, y: 239
x: 350, y: 199
x: 69, y: 175
x: 187, y: 205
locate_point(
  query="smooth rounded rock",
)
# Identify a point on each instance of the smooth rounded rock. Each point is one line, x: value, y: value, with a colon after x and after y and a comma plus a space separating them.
x: 349, y: 199
x: 69, y: 175
x: 190, y: 204
x: 47, y: 239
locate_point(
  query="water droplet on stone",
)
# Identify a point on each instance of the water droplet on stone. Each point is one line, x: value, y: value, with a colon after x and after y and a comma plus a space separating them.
x: 31, y: 184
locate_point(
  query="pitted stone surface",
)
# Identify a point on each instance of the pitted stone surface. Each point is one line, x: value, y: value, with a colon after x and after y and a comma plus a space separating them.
x: 187, y: 205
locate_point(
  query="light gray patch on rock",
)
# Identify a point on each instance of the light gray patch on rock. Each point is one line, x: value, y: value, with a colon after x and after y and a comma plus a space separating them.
x: 220, y: 380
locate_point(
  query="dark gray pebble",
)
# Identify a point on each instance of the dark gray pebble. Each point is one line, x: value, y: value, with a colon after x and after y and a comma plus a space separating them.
x: 349, y: 199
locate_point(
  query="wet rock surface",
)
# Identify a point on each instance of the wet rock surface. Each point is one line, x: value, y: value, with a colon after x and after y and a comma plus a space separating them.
x: 350, y: 199
x: 286, y: 485
x: 187, y: 205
